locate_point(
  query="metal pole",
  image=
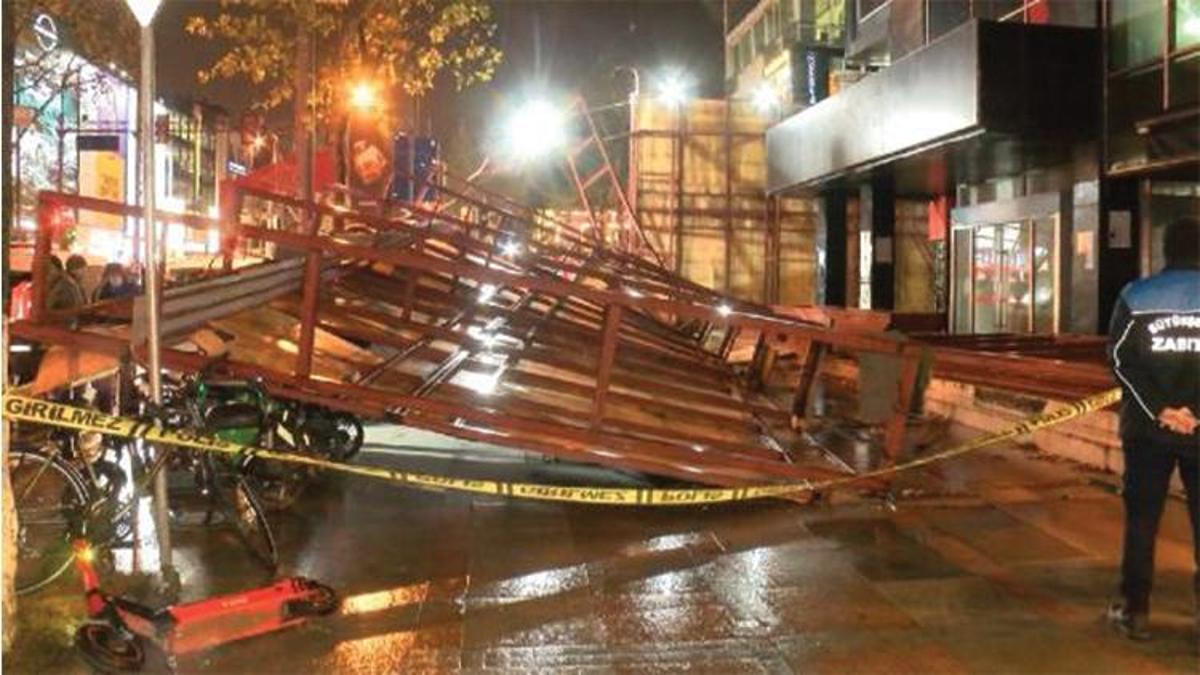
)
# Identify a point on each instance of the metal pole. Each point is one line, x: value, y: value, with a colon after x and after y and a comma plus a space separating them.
x: 162, y: 525
x: 632, y: 174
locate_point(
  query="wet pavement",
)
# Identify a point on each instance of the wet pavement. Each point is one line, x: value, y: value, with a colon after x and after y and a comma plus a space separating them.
x: 1000, y: 564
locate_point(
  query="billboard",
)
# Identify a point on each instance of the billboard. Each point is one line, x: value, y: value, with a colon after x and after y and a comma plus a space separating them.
x: 369, y: 155
x: 101, y: 175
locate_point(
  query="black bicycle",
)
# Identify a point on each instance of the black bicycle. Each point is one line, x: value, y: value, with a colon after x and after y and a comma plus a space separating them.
x: 63, y: 492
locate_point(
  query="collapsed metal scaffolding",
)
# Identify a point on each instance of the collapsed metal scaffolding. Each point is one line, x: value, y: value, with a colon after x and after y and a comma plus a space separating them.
x: 475, y: 316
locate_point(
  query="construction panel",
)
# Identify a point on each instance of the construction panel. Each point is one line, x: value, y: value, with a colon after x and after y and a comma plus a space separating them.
x: 701, y: 179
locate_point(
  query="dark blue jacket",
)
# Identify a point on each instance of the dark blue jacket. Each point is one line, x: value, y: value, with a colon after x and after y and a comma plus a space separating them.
x: 1154, y: 348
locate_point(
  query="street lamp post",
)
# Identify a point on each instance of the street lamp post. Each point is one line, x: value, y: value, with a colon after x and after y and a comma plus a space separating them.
x: 144, y: 11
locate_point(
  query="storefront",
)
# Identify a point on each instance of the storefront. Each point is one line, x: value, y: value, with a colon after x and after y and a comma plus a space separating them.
x: 76, y: 133
x: 960, y: 185
x: 1004, y: 267
x: 1152, y: 125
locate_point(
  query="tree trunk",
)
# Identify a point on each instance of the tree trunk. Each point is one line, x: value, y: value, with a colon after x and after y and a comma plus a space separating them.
x: 9, y: 515
x: 301, y: 119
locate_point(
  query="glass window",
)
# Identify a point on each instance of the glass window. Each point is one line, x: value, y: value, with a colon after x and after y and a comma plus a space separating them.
x: 1135, y: 32
x: 1004, y: 277
x: 1016, y: 282
x: 986, y: 280
x: 946, y: 16
x: 999, y: 9
x: 788, y: 10
x: 1072, y: 12
x: 1132, y: 98
x: 865, y: 7
x: 1185, y: 80
x: 962, y: 281
x: 1187, y: 23
x: 1044, y: 264
x: 1169, y: 200
x: 866, y: 255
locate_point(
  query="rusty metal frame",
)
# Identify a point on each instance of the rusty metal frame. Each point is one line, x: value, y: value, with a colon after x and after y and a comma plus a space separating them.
x: 611, y: 345
x: 588, y: 353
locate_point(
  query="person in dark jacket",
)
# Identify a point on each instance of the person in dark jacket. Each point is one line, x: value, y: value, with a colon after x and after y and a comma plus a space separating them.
x: 1154, y: 348
x: 64, y: 289
x: 114, y: 283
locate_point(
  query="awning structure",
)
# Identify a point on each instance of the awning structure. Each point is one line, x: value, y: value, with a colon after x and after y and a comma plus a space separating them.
x: 982, y: 95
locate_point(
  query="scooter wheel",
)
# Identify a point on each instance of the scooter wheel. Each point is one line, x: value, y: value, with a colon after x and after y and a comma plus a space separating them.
x: 108, y: 649
x: 324, y: 600
x: 319, y: 600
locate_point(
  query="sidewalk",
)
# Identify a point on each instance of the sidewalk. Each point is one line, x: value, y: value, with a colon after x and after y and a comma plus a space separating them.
x: 1003, y: 566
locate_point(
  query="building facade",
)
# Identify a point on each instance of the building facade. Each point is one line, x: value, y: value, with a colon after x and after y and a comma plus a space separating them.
x: 791, y: 48
x: 1006, y: 164
x: 76, y: 132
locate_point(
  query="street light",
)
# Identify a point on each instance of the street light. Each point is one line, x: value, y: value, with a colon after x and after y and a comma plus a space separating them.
x: 144, y: 11
x: 675, y: 88
x: 535, y: 128
x: 362, y: 96
x: 765, y: 98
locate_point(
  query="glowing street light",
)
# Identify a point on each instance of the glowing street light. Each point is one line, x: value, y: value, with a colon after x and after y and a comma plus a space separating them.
x: 511, y: 248
x: 362, y: 96
x: 143, y: 10
x: 535, y: 128
x: 675, y: 88
x: 765, y: 98
x: 1191, y: 25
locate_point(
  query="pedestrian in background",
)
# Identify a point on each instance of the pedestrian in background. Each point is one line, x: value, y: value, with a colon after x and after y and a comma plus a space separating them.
x: 114, y: 283
x: 1154, y: 347
x: 64, y: 290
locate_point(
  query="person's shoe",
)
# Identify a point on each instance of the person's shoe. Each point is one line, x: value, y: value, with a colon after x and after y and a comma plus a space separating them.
x: 1133, y: 625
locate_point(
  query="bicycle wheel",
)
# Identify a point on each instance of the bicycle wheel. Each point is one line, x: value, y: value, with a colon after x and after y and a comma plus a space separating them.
x: 336, y: 435
x: 277, y: 485
x: 52, y: 502
x: 238, y: 503
x: 350, y: 435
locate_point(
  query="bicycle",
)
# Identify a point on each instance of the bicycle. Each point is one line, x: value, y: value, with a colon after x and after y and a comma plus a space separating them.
x: 249, y: 415
x: 58, y: 502
x: 241, y: 411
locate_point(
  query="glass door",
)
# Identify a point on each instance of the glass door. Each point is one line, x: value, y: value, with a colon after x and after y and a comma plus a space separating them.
x: 1004, y: 277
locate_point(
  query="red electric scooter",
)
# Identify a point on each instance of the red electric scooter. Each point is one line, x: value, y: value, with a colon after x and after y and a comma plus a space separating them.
x: 114, y: 635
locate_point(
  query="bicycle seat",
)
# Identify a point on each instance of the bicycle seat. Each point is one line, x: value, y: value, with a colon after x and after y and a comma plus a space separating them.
x: 233, y: 416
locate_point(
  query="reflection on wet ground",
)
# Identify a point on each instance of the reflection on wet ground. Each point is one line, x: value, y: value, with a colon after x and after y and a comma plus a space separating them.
x: 1006, y: 573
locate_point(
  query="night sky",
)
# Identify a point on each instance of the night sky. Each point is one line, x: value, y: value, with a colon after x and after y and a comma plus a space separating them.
x: 551, y: 48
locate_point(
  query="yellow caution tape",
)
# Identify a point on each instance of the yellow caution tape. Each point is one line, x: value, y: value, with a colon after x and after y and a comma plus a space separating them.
x: 57, y: 414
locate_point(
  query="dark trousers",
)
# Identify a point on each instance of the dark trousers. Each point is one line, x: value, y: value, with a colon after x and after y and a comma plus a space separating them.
x: 1148, y: 469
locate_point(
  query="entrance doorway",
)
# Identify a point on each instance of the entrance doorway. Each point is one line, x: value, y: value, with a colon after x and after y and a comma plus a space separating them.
x: 1004, y: 277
